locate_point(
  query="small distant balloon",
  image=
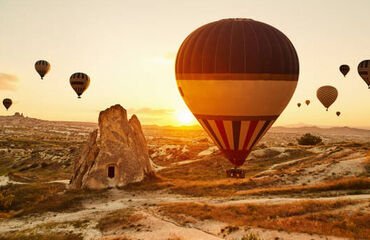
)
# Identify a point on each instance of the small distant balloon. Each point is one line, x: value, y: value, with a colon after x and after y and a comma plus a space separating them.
x: 299, y: 104
x: 79, y: 82
x: 338, y: 113
x: 344, y: 69
x: 327, y: 95
x: 364, y: 69
x: 42, y: 67
x: 7, y: 102
x: 308, y: 102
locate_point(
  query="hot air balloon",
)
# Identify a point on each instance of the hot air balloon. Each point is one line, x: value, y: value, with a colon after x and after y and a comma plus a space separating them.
x: 42, y: 67
x: 327, y: 95
x: 308, y: 102
x: 79, y: 82
x: 236, y: 76
x: 344, y: 69
x: 338, y: 113
x: 364, y: 70
x: 299, y: 104
x: 7, y: 102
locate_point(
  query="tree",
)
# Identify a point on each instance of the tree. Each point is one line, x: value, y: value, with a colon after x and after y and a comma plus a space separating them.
x: 309, y: 139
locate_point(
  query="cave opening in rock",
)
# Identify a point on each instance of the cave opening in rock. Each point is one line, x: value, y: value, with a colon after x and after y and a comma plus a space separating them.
x: 111, y: 171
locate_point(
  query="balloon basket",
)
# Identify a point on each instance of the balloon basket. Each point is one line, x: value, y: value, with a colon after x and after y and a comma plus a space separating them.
x: 235, y: 173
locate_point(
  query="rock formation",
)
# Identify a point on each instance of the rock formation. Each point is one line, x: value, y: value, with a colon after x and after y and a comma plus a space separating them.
x: 118, y: 157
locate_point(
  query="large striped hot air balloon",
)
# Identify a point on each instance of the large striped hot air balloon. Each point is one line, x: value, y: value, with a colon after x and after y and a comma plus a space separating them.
x: 364, y: 71
x: 7, y: 102
x: 42, y: 67
x: 236, y: 76
x: 327, y: 95
x: 344, y: 69
x: 79, y: 82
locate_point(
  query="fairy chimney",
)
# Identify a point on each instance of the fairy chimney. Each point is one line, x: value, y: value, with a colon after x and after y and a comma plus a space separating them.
x: 117, y: 157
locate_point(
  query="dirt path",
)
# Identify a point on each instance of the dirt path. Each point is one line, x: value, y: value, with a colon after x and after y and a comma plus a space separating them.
x: 272, y: 168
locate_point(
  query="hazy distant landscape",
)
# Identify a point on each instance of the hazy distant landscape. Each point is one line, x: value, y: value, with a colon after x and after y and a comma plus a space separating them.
x: 306, y: 191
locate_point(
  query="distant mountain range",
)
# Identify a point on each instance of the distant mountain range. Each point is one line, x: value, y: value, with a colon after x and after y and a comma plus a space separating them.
x: 301, y: 128
x: 319, y: 130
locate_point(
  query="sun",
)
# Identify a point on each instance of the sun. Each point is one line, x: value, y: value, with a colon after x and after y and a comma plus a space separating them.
x: 185, y: 117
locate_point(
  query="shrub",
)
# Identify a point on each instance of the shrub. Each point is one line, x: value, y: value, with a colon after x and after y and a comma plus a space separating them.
x: 6, y: 199
x: 251, y: 236
x: 309, y: 139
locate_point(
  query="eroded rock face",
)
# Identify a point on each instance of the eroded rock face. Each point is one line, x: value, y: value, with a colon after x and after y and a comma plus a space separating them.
x: 119, y: 157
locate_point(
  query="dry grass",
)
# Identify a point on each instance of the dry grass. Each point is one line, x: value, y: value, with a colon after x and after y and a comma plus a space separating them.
x: 320, y: 217
x: 251, y: 236
x: 39, y: 198
x: 46, y: 236
x: 213, y: 167
x: 248, y: 186
x: 353, y: 183
x: 120, y: 219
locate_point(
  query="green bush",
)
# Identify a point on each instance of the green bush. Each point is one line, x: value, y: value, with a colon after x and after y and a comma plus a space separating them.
x: 309, y: 139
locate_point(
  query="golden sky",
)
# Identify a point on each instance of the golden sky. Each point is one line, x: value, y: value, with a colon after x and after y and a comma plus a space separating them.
x: 128, y: 50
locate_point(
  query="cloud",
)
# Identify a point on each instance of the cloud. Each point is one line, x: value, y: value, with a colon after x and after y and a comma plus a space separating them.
x: 8, y: 82
x: 152, y: 112
x: 165, y: 58
x: 169, y: 55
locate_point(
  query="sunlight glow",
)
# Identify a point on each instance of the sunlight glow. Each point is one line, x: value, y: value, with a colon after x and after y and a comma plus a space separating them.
x: 185, y: 117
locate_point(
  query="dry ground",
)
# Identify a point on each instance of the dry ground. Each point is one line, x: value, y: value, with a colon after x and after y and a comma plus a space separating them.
x: 290, y: 192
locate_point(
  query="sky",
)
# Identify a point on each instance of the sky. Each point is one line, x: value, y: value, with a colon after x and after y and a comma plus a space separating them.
x: 128, y: 48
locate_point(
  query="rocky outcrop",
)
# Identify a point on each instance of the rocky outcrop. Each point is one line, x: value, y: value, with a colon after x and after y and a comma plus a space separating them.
x: 118, y: 157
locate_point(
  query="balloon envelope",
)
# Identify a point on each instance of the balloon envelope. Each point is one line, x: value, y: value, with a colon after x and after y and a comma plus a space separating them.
x: 338, y: 114
x: 298, y: 104
x: 79, y: 82
x: 42, y: 67
x: 308, y: 102
x: 7, y: 102
x: 236, y: 76
x: 344, y: 69
x: 364, y: 71
x: 327, y: 95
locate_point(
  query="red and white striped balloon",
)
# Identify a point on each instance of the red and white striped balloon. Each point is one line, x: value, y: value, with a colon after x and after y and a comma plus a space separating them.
x: 236, y: 76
